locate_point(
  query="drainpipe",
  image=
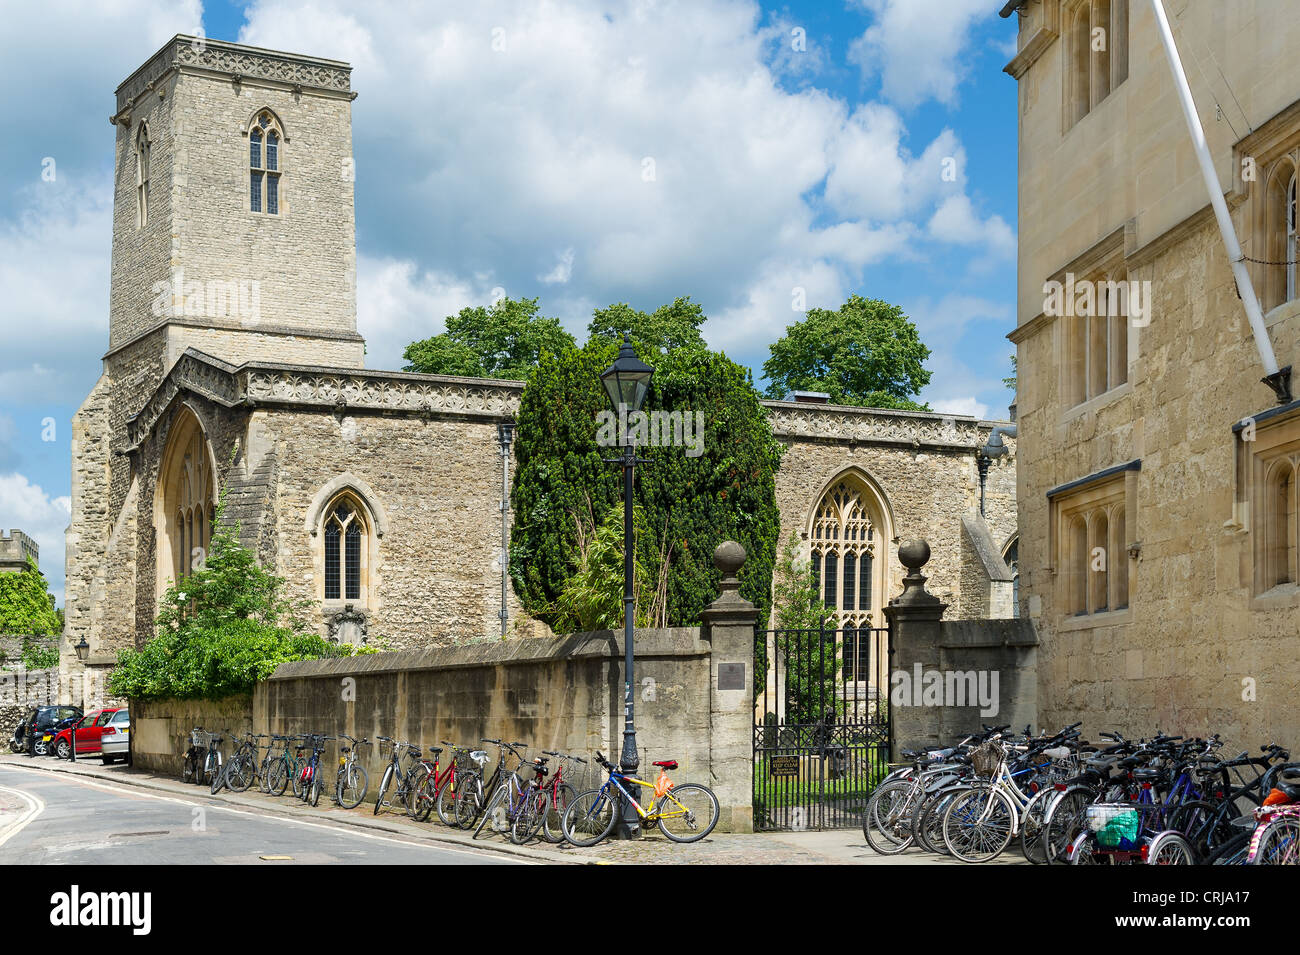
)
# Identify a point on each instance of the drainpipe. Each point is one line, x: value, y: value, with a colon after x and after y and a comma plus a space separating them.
x: 505, y: 434
x: 1277, y: 379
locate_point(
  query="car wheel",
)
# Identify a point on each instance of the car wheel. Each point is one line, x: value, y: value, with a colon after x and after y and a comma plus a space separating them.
x: 64, y: 749
x: 41, y: 747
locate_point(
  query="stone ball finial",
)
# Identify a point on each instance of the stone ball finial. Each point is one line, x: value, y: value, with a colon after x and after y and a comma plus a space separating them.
x: 729, y: 558
x: 914, y: 554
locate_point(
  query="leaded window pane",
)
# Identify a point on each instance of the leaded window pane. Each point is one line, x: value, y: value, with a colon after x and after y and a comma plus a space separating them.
x: 332, y: 585
x: 255, y: 196
x: 850, y: 579
x: 272, y: 150
x: 354, y: 562
x: 273, y: 194
x: 255, y: 150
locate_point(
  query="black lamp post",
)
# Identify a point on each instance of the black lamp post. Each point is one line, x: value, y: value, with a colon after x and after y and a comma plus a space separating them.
x: 626, y: 382
x: 83, y: 654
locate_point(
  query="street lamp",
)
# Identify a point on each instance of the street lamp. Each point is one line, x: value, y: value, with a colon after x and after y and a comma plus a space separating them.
x: 626, y: 382
x: 83, y: 649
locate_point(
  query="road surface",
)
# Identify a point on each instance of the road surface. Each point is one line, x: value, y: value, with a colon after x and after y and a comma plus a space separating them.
x: 52, y: 819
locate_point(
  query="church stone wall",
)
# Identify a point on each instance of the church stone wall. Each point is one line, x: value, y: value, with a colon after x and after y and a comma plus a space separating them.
x: 926, y: 471
x: 439, y: 482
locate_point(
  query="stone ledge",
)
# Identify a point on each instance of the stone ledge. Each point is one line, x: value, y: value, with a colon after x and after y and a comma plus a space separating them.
x: 601, y: 645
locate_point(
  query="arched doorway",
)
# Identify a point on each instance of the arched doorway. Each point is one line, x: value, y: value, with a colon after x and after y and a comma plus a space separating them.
x: 185, y: 500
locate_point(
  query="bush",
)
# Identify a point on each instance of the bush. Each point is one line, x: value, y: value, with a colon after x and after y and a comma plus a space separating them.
x: 220, y: 630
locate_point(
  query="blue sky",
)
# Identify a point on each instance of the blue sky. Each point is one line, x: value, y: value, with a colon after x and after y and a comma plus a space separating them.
x: 795, y: 146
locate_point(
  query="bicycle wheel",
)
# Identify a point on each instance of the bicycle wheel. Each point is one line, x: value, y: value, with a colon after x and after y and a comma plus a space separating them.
x: 409, y: 791
x: 277, y: 778
x: 383, y: 788
x: 352, y: 785
x: 929, y: 830
x: 422, y: 796
x: 495, y: 813
x: 239, y: 777
x: 589, y: 818
x: 687, y: 813
x: 531, y: 815
x: 556, y: 807
x: 300, y: 779
x: 1065, y: 820
x: 1279, y: 844
x: 264, y: 774
x: 1232, y: 852
x: 885, y: 820
x: 977, y: 826
x: 1170, y: 848
x: 447, y: 798
x: 468, y: 803
x: 1200, y: 823
x: 1082, y: 851
x: 1032, y: 825
x: 190, y: 769
x: 314, y: 793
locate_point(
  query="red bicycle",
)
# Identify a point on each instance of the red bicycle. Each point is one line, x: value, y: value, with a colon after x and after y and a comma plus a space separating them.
x: 435, y: 788
x: 559, y: 793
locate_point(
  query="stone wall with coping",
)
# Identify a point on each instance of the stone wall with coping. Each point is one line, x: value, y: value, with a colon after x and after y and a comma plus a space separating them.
x: 563, y: 693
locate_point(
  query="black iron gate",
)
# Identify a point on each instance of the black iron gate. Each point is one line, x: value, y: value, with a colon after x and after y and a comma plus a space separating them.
x: 821, y: 725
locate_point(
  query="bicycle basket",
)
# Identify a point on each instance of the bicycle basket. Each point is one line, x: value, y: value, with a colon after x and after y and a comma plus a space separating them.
x: 481, y: 758
x: 199, y: 738
x: 1116, y: 825
x: 986, y: 758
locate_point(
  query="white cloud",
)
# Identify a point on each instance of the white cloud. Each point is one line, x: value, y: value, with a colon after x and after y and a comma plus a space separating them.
x: 43, y: 518
x: 550, y: 152
x: 955, y: 221
x: 562, y: 272
x: 967, y: 405
x: 916, y: 48
x: 54, y: 263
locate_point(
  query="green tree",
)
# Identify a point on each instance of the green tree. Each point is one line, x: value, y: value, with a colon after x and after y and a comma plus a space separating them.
x: 220, y: 629
x: 26, y: 606
x: 591, y: 597
x: 504, y: 340
x: 1014, y: 379
x: 866, y: 353
x: 689, y: 504
x: 667, y: 328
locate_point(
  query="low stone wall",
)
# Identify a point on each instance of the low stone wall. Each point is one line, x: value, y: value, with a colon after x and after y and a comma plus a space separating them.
x: 160, y: 729
x: 20, y: 691
x: 561, y: 693
x: 950, y: 677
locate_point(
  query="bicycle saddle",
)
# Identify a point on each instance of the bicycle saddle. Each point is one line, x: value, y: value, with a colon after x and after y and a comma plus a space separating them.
x: 1146, y: 775
x: 667, y: 764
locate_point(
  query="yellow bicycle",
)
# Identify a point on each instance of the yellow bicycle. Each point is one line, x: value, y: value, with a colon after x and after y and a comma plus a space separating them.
x: 685, y: 813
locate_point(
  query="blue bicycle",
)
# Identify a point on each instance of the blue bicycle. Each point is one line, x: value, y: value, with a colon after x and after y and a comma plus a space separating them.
x: 685, y: 813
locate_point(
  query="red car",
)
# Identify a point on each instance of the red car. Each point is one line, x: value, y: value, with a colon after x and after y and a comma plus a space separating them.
x: 90, y: 732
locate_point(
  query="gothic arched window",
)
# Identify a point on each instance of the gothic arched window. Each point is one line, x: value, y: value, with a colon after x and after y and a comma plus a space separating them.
x: 848, y: 568
x: 142, y: 149
x: 265, y: 159
x: 347, y: 537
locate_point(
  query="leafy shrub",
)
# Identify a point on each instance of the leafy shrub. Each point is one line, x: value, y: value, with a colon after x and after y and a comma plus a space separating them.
x: 220, y: 630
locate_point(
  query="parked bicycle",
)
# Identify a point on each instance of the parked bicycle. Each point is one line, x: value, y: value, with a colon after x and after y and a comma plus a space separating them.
x: 685, y: 813
x: 351, y: 784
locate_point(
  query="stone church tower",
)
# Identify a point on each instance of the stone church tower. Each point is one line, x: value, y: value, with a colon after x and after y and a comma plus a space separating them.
x: 234, y: 366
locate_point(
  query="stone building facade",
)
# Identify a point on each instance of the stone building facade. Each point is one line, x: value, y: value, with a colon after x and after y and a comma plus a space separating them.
x: 16, y: 549
x: 377, y: 495
x: 1157, y: 480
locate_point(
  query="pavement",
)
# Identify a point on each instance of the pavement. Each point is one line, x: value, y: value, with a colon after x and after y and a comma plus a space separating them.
x: 43, y: 801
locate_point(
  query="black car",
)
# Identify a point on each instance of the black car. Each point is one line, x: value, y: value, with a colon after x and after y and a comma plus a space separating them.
x: 40, y: 722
